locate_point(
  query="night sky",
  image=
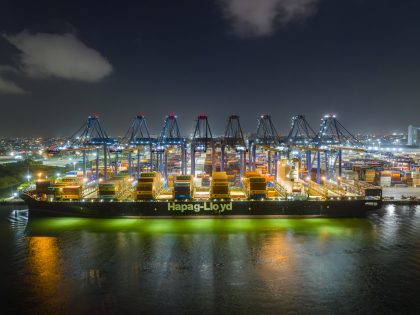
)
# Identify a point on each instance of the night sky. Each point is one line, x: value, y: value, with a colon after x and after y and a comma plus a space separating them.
x: 62, y: 60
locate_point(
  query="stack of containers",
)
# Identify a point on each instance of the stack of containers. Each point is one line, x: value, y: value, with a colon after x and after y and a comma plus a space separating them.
x: 231, y: 179
x: 72, y: 192
x: 395, y: 177
x: 282, y: 169
x: 256, y: 185
x: 69, y: 181
x: 208, y: 166
x: 113, y: 188
x: 416, y: 178
x: 262, y: 169
x: 205, y: 180
x: 198, y: 181
x: 314, y: 174
x: 269, y: 179
x: 349, y: 174
x: 385, y: 180
x: 109, y: 189
x: 170, y: 180
x: 370, y: 175
x: 233, y: 166
x: 219, y: 185
x: 271, y: 192
x: 183, y: 187
x: 408, y: 179
x: 359, y: 170
x: 57, y: 189
x: 124, y: 164
x: 347, y: 165
x: 148, y: 185
x: 42, y: 186
x: 249, y: 174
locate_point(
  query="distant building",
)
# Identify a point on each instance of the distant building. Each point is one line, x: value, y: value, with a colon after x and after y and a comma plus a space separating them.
x: 413, y: 135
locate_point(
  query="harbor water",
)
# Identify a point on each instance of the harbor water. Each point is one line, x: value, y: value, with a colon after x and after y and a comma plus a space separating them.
x: 211, y: 266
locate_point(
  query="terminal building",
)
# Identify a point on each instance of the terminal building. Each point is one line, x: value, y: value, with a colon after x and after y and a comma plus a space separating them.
x: 413, y: 135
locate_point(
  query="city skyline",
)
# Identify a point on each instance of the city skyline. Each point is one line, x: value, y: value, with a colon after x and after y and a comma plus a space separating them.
x: 59, y: 64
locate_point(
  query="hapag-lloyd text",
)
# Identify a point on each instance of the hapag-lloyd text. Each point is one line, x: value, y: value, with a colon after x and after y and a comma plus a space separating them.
x: 197, y: 207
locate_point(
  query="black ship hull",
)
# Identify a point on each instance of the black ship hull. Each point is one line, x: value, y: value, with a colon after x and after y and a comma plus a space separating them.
x: 208, y: 208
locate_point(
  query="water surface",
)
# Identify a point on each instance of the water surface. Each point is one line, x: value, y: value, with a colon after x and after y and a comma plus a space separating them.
x: 112, y: 266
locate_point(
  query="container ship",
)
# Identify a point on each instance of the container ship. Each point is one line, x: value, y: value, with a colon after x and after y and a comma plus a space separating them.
x: 149, y: 197
x: 205, y: 176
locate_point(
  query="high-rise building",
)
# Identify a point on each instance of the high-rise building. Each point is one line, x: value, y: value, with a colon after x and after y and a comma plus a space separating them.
x: 413, y: 135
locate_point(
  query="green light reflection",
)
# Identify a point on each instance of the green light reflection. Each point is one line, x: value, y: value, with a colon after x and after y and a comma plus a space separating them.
x: 325, y: 226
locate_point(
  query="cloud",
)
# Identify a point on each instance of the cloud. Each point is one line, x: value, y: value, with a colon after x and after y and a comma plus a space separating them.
x: 8, y: 86
x: 252, y: 18
x: 58, y: 55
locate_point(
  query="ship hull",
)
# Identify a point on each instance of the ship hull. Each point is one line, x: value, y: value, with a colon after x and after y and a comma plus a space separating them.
x: 208, y: 208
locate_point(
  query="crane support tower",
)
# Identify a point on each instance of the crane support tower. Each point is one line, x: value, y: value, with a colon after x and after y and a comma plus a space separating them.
x: 268, y: 138
x: 170, y: 136
x: 201, y: 140
x: 299, y: 142
x: 234, y: 139
x: 138, y: 136
x: 91, y: 134
x: 332, y: 139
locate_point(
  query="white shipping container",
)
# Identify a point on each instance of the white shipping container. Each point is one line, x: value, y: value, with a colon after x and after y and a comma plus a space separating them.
x: 198, y: 182
x: 385, y: 179
x: 349, y: 175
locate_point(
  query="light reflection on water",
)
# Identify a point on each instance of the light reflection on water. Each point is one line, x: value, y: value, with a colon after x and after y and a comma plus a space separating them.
x: 76, y: 265
x: 321, y: 226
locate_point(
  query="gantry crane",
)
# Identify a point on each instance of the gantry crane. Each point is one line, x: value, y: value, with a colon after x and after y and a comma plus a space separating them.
x: 138, y: 136
x: 234, y: 139
x: 332, y: 139
x: 300, y: 139
x: 90, y: 135
x: 201, y: 140
x: 326, y: 145
x: 170, y: 136
x: 267, y: 138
